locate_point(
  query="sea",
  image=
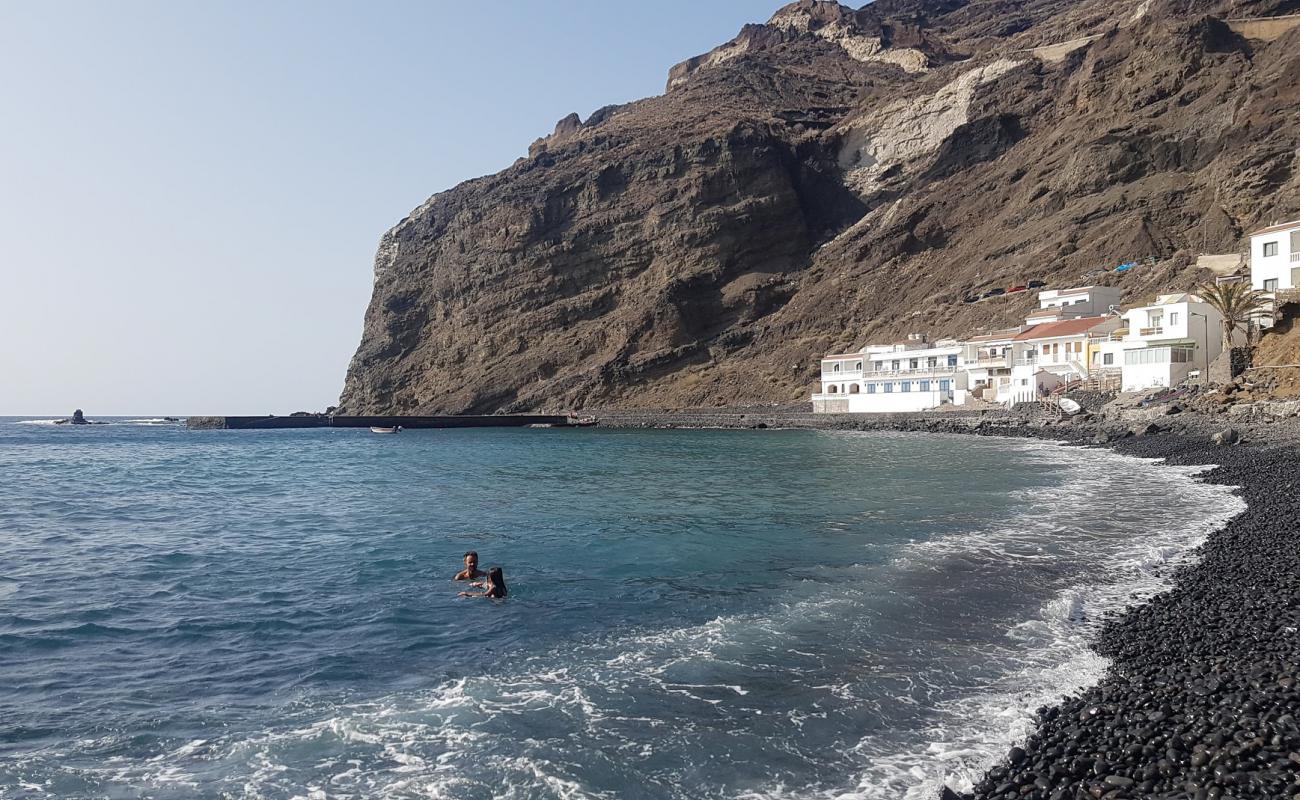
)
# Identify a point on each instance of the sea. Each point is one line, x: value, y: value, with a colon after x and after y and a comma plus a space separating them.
x: 691, y: 614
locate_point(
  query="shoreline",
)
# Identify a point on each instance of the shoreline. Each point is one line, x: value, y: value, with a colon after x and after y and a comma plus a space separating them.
x: 1202, y: 695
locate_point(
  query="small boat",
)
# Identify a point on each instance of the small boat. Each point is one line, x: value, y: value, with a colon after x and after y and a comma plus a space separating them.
x: 381, y: 429
x: 1070, y: 407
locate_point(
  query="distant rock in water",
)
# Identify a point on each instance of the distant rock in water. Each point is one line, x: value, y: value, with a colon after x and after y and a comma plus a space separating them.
x: 829, y: 178
x: 77, y: 418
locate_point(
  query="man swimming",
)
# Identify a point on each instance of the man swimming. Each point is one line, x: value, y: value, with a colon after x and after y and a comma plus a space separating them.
x: 471, y: 571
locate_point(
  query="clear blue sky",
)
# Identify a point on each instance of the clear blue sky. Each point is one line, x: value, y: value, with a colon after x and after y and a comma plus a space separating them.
x: 191, y: 193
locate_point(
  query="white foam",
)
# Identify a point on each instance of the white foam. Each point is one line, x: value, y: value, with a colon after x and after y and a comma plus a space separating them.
x: 447, y: 742
x: 975, y: 731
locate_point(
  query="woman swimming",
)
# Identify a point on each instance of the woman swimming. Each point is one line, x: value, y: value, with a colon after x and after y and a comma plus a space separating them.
x: 494, y: 586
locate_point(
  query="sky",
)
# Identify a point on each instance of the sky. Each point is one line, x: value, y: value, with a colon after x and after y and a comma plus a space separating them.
x: 191, y: 193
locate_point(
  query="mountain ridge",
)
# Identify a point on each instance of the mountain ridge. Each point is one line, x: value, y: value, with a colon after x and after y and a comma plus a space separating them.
x: 830, y: 176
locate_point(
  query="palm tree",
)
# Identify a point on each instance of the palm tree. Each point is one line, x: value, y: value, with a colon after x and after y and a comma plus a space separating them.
x: 1236, y: 303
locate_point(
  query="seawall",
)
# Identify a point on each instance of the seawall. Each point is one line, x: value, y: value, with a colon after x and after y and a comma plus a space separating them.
x: 323, y: 421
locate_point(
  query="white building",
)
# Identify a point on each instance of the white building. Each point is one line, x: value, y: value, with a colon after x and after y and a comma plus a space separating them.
x: 988, y: 358
x: 1055, y: 353
x: 1168, y: 339
x: 1275, y: 257
x: 1055, y: 305
x: 907, y: 376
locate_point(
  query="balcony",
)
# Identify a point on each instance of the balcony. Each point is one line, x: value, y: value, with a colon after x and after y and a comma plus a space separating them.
x: 842, y: 375
x: 919, y: 372
x: 1157, y: 331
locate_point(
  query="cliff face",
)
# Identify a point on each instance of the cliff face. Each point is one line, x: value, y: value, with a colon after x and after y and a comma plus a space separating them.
x: 829, y: 177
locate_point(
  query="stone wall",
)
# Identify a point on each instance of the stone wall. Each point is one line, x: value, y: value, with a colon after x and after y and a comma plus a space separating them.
x: 1266, y: 29
x: 1229, y: 365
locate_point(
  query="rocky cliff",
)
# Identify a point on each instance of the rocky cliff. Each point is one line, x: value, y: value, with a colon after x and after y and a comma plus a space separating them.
x: 830, y: 177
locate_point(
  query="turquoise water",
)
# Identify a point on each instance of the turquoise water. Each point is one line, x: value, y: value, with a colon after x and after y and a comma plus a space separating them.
x: 694, y: 614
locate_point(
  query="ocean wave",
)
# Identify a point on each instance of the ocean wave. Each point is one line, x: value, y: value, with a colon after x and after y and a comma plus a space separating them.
x: 975, y: 731
x: 623, y: 713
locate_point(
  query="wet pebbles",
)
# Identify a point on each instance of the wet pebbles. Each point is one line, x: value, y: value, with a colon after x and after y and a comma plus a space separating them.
x: 1203, y: 696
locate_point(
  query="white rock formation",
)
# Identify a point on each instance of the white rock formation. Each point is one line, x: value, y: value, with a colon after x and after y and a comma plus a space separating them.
x: 857, y: 45
x: 910, y: 130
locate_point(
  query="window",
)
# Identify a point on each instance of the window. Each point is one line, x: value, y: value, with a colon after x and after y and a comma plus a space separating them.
x: 945, y: 386
x: 911, y: 364
x: 836, y: 368
x: 895, y: 366
x: 832, y: 389
x: 1270, y: 285
x: 1173, y: 318
x: 952, y: 361
x: 1080, y: 302
x: 858, y: 366
x: 1158, y: 355
x: 934, y: 362
x: 1108, y: 359
x: 1270, y: 249
x: 905, y: 386
x: 871, y: 388
x: 854, y: 388
x: 889, y: 388
x: 925, y: 386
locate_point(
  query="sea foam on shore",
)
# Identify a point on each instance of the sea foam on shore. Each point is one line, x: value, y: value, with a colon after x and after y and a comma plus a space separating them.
x: 973, y: 732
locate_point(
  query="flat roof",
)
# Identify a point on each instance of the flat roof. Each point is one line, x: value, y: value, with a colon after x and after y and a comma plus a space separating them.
x: 1281, y: 226
x: 1074, y: 289
x: 994, y: 336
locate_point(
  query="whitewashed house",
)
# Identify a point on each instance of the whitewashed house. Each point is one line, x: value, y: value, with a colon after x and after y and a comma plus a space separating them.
x: 988, y: 358
x: 1275, y: 257
x: 1055, y: 353
x: 1165, y: 341
x: 1055, y: 305
x: 907, y: 376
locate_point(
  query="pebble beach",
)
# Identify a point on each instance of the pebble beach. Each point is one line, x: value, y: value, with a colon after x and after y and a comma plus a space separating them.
x: 1201, y: 699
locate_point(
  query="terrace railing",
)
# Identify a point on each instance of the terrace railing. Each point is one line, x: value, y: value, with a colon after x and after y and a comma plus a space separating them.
x: 941, y: 369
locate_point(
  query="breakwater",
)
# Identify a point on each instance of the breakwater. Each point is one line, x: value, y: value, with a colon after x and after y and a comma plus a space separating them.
x: 324, y: 421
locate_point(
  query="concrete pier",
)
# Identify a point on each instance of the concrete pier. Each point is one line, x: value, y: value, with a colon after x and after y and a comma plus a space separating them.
x: 322, y: 421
